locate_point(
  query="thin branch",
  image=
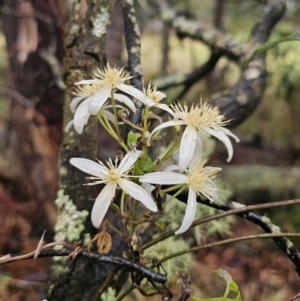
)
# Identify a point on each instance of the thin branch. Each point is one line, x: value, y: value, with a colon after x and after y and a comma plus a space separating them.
x: 239, y: 211
x: 133, y: 45
x: 214, y: 38
x: 228, y: 241
x: 264, y: 222
x: 76, y: 252
x: 238, y: 102
x: 294, y: 297
x: 187, y: 79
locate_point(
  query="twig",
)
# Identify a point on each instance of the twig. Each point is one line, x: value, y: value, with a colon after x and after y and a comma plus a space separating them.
x: 238, y: 102
x: 78, y: 253
x: 227, y: 241
x: 294, y: 297
x: 238, y: 211
x: 264, y: 222
x: 133, y: 45
x: 187, y: 79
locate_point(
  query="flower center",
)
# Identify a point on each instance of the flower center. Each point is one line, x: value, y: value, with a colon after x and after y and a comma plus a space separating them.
x: 88, y: 90
x: 113, y: 175
x: 198, y: 175
x: 199, y: 115
x: 111, y: 77
x: 154, y: 95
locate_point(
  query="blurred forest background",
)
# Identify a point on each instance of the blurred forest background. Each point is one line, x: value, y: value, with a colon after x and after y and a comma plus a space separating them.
x: 265, y: 166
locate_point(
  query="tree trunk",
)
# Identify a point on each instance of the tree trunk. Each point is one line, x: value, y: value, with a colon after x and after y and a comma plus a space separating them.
x: 84, y: 47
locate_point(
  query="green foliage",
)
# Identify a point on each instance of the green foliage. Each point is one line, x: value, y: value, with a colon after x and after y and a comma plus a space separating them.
x: 295, y: 36
x: 177, y: 264
x: 231, y: 288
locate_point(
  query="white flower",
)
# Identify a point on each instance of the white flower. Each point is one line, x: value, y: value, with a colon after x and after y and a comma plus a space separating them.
x: 198, y: 180
x: 81, y: 122
x: 86, y: 94
x: 201, y: 117
x: 112, y: 176
x: 108, y: 79
x: 153, y: 98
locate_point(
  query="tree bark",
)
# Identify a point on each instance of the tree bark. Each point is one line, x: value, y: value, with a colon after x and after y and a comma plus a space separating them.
x: 84, y: 48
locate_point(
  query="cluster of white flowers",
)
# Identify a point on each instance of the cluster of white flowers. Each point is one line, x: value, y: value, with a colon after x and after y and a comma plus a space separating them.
x: 91, y: 98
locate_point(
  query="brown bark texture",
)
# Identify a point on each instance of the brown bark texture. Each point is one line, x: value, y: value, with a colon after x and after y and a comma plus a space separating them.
x: 34, y: 44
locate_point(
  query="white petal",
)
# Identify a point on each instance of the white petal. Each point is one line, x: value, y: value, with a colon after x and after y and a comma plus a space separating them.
x: 148, y: 188
x: 222, y: 137
x: 197, y: 152
x: 110, y: 116
x: 102, y: 203
x: 90, y: 167
x: 128, y: 160
x: 138, y: 193
x: 229, y: 133
x: 88, y: 82
x: 132, y: 91
x: 171, y: 168
x: 148, y: 102
x: 81, y: 116
x: 126, y: 100
x: 187, y: 147
x: 68, y: 126
x: 75, y: 102
x: 164, y: 125
x: 189, y: 212
x: 164, y: 178
x: 165, y: 107
x: 98, y: 100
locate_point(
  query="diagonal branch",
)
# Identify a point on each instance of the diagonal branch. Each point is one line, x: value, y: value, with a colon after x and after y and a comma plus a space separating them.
x: 264, y: 222
x: 238, y: 102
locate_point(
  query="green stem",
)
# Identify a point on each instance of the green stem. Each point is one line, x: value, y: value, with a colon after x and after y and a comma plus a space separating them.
x: 174, y: 196
x: 146, y: 118
x: 115, y: 112
x: 173, y: 188
x: 167, y: 155
x: 107, y: 126
x: 105, y: 123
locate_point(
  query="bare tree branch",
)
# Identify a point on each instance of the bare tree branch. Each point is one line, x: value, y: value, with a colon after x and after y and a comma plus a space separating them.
x: 238, y: 102
x: 133, y: 45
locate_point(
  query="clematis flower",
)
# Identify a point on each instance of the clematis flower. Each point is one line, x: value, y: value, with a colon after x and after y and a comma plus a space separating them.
x: 198, y: 180
x: 109, y: 79
x: 200, y: 117
x: 85, y: 94
x: 113, y: 176
x: 153, y: 98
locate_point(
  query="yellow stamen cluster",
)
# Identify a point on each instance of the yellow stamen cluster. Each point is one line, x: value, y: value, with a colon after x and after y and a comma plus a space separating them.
x: 154, y: 95
x: 88, y: 90
x: 198, y: 175
x: 111, y: 76
x: 199, y: 115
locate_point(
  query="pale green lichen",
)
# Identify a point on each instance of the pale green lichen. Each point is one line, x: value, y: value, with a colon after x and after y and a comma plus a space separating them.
x: 100, y: 22
x: 69, y: 223
x: 69, y: 226
x: 169, y: 246
x: 109, y: 295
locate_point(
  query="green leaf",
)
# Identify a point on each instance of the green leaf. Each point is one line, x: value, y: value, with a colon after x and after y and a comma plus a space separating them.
x: 230, y: 287
x: 133, y: 138
x: 295, y: 36
x: 145, y: 163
